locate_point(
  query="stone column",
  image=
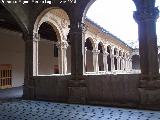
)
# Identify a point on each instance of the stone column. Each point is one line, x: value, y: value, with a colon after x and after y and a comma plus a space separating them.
x: 122, y: 64
x: 126, y: 64
x: 30, y: 60
x: 76, y: 84
x: 36, y: 40
x: 85, y: 59
x: 105, y: 55
x: 146, y: 16
x: 95, y: 60
x: 112, y: 59
x: 62, y: 56
x: 130, y: 64
x: 118, y: 63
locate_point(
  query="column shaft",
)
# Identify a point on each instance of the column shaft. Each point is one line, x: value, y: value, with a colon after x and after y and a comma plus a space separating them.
x: 95, y: 61
x: 29, y: 83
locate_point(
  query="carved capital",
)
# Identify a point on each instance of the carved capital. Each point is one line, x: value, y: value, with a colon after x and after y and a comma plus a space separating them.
x: 62, y: 45
x: 146, y: 14
x: 96, y: 51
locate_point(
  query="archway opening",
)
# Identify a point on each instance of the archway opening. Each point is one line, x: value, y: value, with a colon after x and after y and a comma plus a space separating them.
x: 89, y: 56
x: 118, y: 36
x: 48, y: 50
x: 12, y: 52
x: 52, y: 25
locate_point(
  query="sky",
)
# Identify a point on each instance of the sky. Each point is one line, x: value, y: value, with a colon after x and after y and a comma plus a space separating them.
x: 116, y: 16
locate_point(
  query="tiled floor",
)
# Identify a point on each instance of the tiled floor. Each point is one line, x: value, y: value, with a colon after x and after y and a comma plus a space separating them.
x: 38, y: 110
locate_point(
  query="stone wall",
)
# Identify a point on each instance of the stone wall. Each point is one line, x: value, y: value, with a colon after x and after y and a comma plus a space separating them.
x: 54, y: 88
x: 101, y: 89
x: 122, y: 89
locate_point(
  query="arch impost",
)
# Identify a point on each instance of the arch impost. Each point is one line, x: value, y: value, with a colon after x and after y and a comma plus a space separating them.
x: 62, y: 45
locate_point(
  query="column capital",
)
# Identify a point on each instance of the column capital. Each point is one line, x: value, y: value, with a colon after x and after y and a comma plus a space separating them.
x: 62, y: 44
x: 36, y: 37
x: 146, y: 14
x: 105, y: 53
x: 96, y: 51
x: 85, y: 48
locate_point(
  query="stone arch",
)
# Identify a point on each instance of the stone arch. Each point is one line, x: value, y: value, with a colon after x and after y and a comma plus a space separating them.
x: 55, y: 28
x: 59, y: 20
x: 115, y: 51
x: 86, y: 8
x: 91, y: 41
x: 48, y: 16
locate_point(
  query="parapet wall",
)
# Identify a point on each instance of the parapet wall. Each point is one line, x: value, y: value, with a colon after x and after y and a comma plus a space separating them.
x: 101, y: 89
x: 113, y: 89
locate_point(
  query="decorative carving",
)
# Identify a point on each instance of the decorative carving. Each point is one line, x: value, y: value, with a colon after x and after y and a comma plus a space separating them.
x: 146, y: 14
x: 63, y: 45
x: 63, y: 23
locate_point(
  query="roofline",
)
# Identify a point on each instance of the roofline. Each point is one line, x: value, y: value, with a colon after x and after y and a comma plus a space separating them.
x: 107, y: 32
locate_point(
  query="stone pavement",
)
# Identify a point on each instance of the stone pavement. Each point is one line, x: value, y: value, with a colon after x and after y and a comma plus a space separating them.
x: 39, y: 110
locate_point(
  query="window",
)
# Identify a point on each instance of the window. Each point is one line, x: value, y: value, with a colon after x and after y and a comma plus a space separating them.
x: 5, y: 76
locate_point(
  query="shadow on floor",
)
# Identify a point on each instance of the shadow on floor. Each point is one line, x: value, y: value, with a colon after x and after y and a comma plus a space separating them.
x: 11, y: 93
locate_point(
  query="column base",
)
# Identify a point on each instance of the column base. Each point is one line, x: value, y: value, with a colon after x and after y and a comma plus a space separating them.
x: 77, y: 92
x: 29, y: 90
x: 150, y: 94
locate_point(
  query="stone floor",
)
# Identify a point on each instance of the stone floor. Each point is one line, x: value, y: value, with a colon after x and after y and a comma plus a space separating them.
x: 39, y: 110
